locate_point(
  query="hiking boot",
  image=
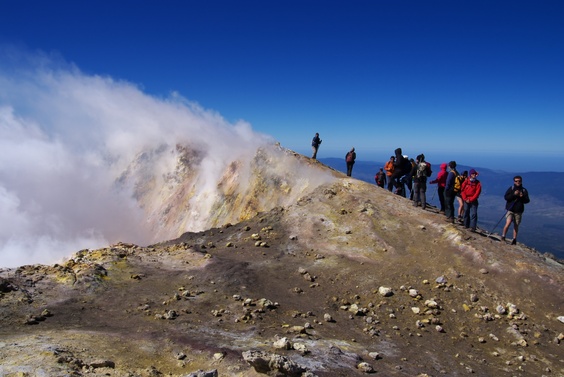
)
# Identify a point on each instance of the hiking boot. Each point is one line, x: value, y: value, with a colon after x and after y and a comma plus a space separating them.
x: 503, y: 238
x: 473, y: 230
x: 450, y: 220
x: 514, y: 242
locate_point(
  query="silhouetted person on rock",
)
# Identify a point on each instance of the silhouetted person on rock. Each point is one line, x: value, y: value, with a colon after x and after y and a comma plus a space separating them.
x: 315, y: 145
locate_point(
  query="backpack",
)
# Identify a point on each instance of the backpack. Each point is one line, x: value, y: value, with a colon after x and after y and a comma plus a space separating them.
x: 379, y: 177
x: 349, y: 157
x: 423, y: 170
x: 458, y: 183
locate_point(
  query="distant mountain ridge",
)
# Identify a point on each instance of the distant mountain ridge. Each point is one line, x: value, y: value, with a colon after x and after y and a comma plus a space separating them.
x: 543, y: 220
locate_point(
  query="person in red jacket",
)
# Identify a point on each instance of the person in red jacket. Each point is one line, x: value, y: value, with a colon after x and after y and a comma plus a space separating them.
x: 470, y: 191
x: 441, y: 183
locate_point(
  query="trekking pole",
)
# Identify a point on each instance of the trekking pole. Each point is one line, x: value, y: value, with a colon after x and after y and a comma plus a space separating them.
x: 505, y: 214
x: 434, y: 192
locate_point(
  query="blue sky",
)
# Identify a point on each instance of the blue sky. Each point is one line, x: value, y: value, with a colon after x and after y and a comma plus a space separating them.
x: 477, y: 81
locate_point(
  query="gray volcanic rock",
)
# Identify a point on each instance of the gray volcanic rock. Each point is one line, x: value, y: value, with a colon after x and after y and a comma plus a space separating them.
x: 213, y: 301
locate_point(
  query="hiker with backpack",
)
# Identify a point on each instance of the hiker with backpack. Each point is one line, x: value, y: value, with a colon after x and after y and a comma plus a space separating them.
x: 349, y: 158
x: 400, y: 169
x: 449, y: 192
x: 420, y: 172
x: 380, y: 178
x: 457, y: 186
x: 315, y: 142
x: 389, y: 168
x: 470, y: 191
x: 405, y: 180
x: 516, y: 197
x: 441, y: 182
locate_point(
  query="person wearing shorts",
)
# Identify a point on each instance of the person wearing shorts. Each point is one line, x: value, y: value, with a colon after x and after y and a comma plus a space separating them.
x: 516, y: 197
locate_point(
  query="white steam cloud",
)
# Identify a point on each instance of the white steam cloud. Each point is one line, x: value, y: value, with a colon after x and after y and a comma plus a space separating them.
x: 65, y: 137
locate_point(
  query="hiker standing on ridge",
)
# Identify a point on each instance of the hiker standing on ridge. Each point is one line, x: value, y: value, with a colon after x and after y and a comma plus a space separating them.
x: 470, y: 191
x: 380, y: 178
x: 449, y: 192
x: 516, y: 197
x: 315, y: 145
x: 457, y: 186
x: 420, y: 172
x: 349, y: 158
x: 389, y: 168
x: 441, y: 182
x: 399, y: 171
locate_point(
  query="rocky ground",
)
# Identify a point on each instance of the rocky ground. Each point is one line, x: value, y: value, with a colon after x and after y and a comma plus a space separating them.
x: 350, y: 280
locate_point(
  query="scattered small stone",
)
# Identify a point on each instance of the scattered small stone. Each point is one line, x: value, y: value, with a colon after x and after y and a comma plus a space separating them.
x: 327, y: 318
x: 282, y: 343
x: 441, y: 280
x: 365, y: 367
x: 103, y: 364
x: 201, y: 373
x: 385, y: 291
x: 301, y: 348
x: 483, y: 271
x: 297, y: 329
x: 375, y: 355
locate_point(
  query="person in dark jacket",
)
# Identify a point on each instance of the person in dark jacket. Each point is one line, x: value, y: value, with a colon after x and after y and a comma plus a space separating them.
x: 315, y: 145
x: 449, y: 192
x: 349, y: 158
x: 399, y: 170
x: 380, y: 178
x: 516, y: 197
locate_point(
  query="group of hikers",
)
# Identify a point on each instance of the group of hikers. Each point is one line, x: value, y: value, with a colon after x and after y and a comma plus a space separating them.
x: 401, y: 173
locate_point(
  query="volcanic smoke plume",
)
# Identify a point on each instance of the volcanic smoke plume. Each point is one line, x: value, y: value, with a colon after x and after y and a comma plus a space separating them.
x: 87, y: 161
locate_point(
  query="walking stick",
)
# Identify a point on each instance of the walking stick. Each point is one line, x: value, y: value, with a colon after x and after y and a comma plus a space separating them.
x: 434, y: 192
x: 505, y: 214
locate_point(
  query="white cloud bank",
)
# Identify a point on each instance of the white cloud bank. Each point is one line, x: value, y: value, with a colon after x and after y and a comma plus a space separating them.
x: 64, y: 139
